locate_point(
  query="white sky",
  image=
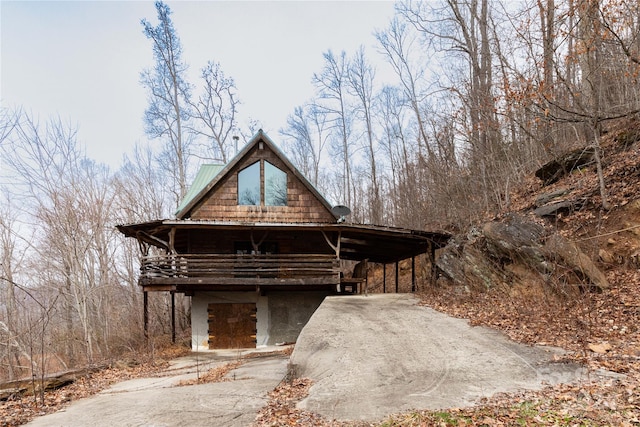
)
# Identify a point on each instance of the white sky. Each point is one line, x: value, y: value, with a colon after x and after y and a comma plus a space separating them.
x: 81, y: 60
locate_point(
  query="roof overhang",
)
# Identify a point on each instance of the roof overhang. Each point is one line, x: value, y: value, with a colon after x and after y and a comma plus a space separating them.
x: 375, y: 243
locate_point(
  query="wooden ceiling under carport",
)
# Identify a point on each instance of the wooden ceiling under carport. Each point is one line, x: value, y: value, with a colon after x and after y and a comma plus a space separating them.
x: 386, y: 244
x: 376, y: 243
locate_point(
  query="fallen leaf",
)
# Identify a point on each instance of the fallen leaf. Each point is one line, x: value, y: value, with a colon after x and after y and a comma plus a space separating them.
x: 601, y: 348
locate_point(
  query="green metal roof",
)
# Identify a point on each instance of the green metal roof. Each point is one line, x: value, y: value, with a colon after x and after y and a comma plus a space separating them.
x: 203, y: 178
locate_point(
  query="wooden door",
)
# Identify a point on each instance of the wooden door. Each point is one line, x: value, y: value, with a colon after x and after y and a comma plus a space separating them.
x: 232, y: 325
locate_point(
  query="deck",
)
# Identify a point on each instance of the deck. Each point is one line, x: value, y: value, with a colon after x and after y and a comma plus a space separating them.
x: 200, y: 271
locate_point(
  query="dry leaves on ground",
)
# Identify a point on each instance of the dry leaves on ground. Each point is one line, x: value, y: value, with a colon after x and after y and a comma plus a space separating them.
x: 281, y: 409
x: 21, y: 409
x: 214, y: 375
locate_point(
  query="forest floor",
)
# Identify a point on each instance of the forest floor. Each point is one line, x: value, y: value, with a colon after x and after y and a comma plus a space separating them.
x: 21, y: 409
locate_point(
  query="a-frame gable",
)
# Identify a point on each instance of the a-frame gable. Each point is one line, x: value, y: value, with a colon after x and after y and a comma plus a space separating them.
x: 218, y: 200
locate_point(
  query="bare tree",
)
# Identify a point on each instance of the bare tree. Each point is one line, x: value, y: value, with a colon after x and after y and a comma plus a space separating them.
x: 68, y: 202
x: 361, y: 79
x: 596, y: 80
x: 141, y: 194
x: 398, y: 45
x: 391, y: 116
x: 215, y: 111
x: 141, y: 188
x: 307, y: 136
x: 169, y: 95
x: 332, y: 83
x: 12, y: 348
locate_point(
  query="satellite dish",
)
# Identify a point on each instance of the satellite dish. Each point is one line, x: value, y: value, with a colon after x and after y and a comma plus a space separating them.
x: 341, y: 212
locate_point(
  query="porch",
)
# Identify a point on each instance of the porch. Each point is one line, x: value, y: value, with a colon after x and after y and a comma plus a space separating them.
x: 204, y: 256
x: 190, y: 272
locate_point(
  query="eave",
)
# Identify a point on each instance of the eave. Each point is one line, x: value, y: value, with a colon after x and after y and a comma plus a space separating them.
x: 357, y: 241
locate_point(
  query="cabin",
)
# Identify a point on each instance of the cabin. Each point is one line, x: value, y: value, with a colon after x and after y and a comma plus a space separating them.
x: 258, y: 248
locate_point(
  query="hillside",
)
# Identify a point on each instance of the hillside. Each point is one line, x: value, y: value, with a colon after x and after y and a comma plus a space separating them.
x: 550, y: 302
x: 561, y: 306
x: 580, y: 293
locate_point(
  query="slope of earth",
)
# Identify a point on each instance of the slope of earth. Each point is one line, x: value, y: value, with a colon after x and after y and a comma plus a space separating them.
x: 600, y: 328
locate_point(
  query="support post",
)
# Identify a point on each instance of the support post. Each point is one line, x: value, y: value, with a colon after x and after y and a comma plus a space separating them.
x: 432, y: 260
x: 384, y: 278
x: 413, y: 274
x: 397, y: 268
x: 172, y: 240
x: 145, y: 299
x: 173, y: 317
x: 335, y: 247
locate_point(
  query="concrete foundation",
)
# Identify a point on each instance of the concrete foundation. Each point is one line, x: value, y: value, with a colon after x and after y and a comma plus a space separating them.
x: 280, y: 316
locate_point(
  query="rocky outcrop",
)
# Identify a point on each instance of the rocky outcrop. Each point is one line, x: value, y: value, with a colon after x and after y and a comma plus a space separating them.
x: 567, y: 253
x: 554, y: 170
x: 560, y: 207
x: 513, y: 251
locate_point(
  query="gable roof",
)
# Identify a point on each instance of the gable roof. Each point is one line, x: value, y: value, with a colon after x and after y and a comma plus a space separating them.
x: 209, y: 182
x: 202, y: 179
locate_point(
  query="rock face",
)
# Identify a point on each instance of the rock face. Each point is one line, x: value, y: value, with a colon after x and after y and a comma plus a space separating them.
x: 513, y: 251
x: 557, y: 168
x: 568, y: 253
x: 562, y: 207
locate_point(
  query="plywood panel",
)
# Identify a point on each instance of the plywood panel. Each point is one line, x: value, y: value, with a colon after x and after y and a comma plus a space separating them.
x: 232, y: 325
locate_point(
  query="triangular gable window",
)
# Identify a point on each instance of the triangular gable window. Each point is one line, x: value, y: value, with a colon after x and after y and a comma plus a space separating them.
x: 275, y: 186
x: 251, y: 192
x: 249, y: 185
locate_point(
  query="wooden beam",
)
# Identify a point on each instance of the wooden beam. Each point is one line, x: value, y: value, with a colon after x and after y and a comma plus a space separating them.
x: 335, y: 247
x: 397, y: 268
x: 150, y: 287
x: 172, y: 240
x: 413, y: 274
x: 173, y: 317
x: 384, y: 278
x: 255, y: 245
x: 170, y: 283
x: 145, y: 311
x: 151, y: 238
x: 432, y: 260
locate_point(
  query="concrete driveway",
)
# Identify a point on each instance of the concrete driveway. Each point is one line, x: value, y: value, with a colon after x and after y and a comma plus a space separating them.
x: 159, y: 402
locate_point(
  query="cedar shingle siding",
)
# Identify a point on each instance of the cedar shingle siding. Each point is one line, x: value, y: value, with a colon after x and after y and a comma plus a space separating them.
x: 221, y: 203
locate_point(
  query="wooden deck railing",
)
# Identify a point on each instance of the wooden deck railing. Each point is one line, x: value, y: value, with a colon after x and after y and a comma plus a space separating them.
x: 240, y: 269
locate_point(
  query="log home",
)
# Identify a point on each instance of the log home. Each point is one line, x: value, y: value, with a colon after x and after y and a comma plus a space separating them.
x: 258, y: 249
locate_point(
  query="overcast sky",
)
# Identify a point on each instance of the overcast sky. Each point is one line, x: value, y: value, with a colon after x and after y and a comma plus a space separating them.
x: 81, y: 60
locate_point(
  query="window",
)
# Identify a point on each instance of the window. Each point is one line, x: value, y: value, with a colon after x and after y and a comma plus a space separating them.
x: 252, y: 193
x: 249, y: 185
x: 275, y: 186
